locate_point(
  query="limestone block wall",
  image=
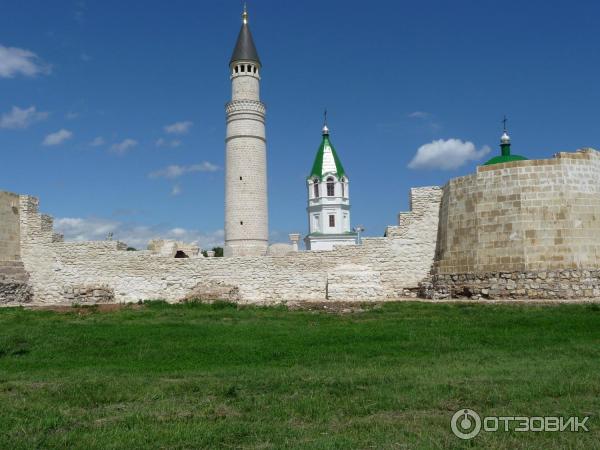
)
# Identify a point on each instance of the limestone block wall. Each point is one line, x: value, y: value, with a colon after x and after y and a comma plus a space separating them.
x: 512, y: 220
x: 14, y: 281
x: 89, y: 272
x: 522, y: 216
x: 424, y: 204
x: 9, y: 227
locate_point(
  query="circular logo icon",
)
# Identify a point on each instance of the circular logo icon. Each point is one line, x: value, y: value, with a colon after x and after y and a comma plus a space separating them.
x: 466, y: 424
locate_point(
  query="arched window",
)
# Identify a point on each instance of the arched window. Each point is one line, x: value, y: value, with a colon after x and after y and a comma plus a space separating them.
x: 316, y: 187
x: 343, y: 188
x: 237, y: 69
x: 330, y: 187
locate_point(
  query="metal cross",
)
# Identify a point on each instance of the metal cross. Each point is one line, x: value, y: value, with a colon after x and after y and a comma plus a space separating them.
x: 504, y: 122
x: 325, y: 117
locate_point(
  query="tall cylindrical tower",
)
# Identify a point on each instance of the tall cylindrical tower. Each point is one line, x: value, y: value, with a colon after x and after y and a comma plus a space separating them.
x: 246, y: 211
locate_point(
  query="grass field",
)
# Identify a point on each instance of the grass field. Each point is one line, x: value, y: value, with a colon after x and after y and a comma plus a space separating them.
x: 215, y: 376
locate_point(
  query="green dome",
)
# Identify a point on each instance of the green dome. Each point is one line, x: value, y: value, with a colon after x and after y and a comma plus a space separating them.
x: 503, y: 159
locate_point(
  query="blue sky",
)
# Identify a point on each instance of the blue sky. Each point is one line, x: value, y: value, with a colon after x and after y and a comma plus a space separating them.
x: 112, y: 112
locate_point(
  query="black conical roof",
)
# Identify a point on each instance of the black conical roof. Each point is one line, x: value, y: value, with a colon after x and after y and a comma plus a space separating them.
x: 245, y: 50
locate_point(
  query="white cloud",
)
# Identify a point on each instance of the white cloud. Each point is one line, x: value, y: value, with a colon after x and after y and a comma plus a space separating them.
x: 176, y: 190
x: 175, y: 171
x: 97, y: 142
x: 135, y: 235
x: 77, y: 229
x: 419, y: 115
x: 446, y: 154
x: 120, y: 148
x: 17, y: 61
x: 57, y: 138
x: 178, y: 232
x: 179, y: 127
x: 21, y: 118
x: 166, y: 143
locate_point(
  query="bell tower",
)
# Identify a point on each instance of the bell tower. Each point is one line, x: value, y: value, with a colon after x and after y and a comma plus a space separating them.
x: 246, y: 209
x: 328, y: 207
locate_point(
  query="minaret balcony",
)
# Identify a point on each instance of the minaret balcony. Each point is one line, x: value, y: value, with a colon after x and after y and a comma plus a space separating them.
x: 236, y: 106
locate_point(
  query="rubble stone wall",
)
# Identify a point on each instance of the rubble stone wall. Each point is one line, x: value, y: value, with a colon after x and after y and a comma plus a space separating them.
x: 91, y: 272
x: 554, y: 284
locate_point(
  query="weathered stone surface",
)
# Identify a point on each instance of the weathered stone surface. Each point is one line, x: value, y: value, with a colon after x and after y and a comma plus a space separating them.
x: 381, y: 268
x: 14, y: 284
x: 246, y: 202
x: 214, y: 290
x: 89, y: 294
x: 522, y: 216
x: 15, y: 293
x: 526, y: 229
x: 558, y: 284
x: 9, y: 227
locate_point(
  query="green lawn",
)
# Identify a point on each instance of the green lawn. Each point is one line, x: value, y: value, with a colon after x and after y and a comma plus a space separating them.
x: 214, y: 376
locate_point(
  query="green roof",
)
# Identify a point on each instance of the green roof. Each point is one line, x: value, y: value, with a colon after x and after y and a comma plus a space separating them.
x: 323, y: 161
x: 503, y: 159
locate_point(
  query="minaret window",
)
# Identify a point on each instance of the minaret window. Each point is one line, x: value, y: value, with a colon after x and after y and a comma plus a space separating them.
x: 243, y: 68
x: 330, y: 187
x: 343, y: 188
x: 332, y: 221
x: 316, y: 188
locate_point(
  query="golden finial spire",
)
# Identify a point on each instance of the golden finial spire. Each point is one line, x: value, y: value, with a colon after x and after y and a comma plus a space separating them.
x: 245, y: 15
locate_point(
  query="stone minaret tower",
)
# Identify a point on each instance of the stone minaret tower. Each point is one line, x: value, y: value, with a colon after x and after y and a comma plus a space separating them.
x: 246, y: 214
x: 328, y: 200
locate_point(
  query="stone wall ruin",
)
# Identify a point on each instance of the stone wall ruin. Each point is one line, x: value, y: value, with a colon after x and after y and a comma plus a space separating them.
x: 104, y: 271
